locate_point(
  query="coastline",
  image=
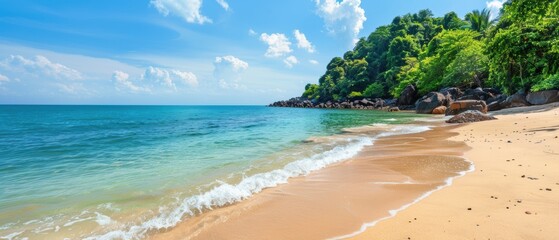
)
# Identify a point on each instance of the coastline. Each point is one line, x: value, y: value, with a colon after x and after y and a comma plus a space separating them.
x: 512, y: 194
x: 392, y: 174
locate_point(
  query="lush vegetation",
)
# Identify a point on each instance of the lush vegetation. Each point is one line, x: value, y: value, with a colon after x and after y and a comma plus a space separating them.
x: 519, y: 51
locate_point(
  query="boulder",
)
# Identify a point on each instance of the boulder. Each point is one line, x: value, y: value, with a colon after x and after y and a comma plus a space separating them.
x: 465, y: 105
x: 379, y: 103
x: 439, y: 110
x: 470, y: 116
x: 427, y: 103
x: 497, y: 98
x: 543, y: 97
x: 496, y: 105
x: 454, y: 93
x: 492, y: 91
x: 408, y: 96
x: 476, y: 94
x: 517, y: 100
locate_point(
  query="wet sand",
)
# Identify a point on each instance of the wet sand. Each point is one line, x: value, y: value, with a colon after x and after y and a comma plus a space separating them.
x: 339, y: 199
x: 512, y: 194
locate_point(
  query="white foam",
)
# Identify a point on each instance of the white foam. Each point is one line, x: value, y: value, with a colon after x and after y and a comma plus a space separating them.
x: 390, y: 119
x: 102, y: 219
x: 11, y: 236
x: 393, y: 212
x: 225, y: 193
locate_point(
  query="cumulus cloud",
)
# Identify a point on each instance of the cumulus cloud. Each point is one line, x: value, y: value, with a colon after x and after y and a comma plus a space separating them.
x: 302, y: 41
x: 39, y: 67
x: 223, y: 4
x: 495, y: 7
x: 313, y: 62
x: 123, y: 83
x: 290, y: 61
x: 169, y: 77
x: 278, y: 44
x: 189, y: 10
x: 236, y: 64
x: 346, y: 16
x: 228, y: 71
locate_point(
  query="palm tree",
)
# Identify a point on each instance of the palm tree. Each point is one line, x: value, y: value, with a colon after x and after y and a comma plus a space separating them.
x: 479, y: 20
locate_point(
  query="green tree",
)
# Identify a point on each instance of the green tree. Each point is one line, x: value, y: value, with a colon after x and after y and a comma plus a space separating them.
x: 479, y: 20
x: 434, y: 71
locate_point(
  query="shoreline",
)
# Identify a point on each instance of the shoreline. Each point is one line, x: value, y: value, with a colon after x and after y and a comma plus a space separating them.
x: 512, y: 193
x: 302, y: 201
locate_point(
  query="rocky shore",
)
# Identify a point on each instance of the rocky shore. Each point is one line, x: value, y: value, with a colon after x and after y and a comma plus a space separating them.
x: 448, y: 101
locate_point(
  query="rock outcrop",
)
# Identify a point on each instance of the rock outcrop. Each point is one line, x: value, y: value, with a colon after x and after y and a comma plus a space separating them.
x: 427, y: 103
x: 466, y: 105
x: 439, y: 110
x: 517, y: 100
x: 543, y: 97
x: 470, y: 116
x: 356, y: 104
x: 408, y: 95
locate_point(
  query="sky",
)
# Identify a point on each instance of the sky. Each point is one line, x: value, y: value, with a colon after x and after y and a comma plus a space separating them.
x: 184, y: 52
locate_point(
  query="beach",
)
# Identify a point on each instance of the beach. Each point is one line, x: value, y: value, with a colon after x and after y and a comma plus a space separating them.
x: 513, y: 193
x: 488, y: 180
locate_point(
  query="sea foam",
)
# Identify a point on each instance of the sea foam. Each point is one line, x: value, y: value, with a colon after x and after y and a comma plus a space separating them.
x: 226, y: 194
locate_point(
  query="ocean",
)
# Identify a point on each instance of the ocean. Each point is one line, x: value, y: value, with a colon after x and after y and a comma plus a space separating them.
x: 120, y: 172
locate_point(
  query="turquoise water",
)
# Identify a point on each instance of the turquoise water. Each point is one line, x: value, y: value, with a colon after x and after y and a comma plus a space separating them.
x: 98, y: 171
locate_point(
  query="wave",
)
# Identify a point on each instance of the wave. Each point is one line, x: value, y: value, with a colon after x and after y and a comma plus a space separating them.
x: 348, y: 146
x: 226, y: 194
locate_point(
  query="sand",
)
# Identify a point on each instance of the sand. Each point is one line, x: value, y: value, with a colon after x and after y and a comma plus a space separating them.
x: 512, y: 194
x: 338, y: 199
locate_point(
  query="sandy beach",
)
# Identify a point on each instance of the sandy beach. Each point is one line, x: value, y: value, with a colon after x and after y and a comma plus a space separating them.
x: 512, y: 194
x: 415, y: 186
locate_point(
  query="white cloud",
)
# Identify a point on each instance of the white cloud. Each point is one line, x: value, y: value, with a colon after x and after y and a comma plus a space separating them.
x: 189, y: 10
x: 228, y: 71
x: 313, y: 62
x: 302, y: 41
x: 236, y: 63
x: 187, y: 78
x: 290, y: 61
x: 122, y: 82
x: 495, y: 7
x: 278, y: 44
x: 169, y: 77
x: 252, y: 32
x: 346, y: 16
x: 39, y: 67
x: 4, y: 78
x: 223, y: 4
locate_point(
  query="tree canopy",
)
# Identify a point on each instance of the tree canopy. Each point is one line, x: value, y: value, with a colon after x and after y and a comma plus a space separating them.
x: 520, y: 51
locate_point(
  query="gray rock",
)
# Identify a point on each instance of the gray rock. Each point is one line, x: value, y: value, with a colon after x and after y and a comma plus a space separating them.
x: 543, y: 97
x: 454, y: 93
x: 427, y: 103
x: 470, y: 116
x: 517, y: 100
x: 408, y: 96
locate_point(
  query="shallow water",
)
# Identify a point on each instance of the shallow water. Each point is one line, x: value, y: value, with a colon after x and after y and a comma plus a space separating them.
x: 92, y: 171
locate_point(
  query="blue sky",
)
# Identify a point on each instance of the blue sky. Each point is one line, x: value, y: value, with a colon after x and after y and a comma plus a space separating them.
x: 183, y: 51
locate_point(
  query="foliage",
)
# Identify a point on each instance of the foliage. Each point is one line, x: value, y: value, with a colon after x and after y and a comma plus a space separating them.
x: 519, y: 51
x: 374, y: 90
x: 311, y: 91
x: 479, y: 20
x: 355, y: 95
x: 440, y: 65
x: 551, y: 82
